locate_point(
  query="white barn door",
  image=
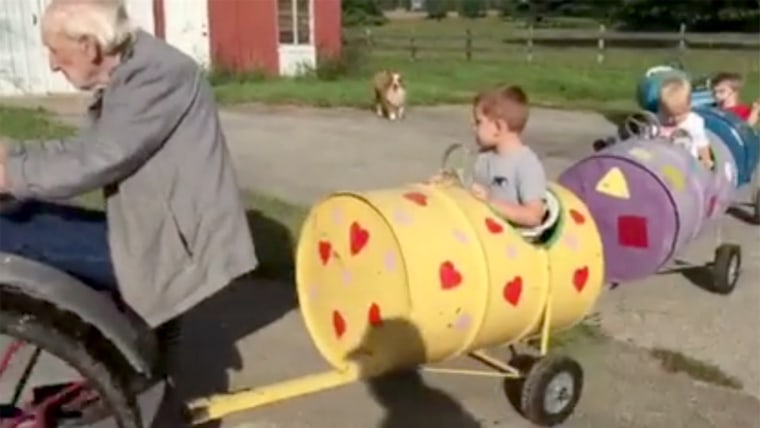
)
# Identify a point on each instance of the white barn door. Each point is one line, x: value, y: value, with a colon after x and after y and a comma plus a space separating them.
x: 186, y: 27
x: 141, y: 14
x: 296, y: 49
x: 24, y: 65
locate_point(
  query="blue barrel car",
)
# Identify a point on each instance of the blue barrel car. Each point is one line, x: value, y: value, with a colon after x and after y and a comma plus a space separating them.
x: 648, y: 88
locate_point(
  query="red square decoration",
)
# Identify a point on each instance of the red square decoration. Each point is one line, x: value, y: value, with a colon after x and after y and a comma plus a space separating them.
x: 633, y: 231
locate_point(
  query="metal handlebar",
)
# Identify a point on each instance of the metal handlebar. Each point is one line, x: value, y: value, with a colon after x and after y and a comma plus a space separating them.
x: 461, y: 174
x: 643, y: 124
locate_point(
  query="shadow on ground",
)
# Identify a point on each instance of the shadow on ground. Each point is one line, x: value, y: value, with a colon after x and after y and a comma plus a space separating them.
x: 698, y: 275
x: 743, y: 213
x: 405, y: 397
x: 211, y: 330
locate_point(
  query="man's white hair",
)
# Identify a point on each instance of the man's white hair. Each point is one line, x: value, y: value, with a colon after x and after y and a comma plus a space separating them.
x: 105, y: 21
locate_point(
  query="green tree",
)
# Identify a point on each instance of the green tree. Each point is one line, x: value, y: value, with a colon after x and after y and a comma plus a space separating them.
x: 362, y: 12
x: 507, y: 8
x: 472, y: 8
x: 698, y: 15
x: 436, y: 9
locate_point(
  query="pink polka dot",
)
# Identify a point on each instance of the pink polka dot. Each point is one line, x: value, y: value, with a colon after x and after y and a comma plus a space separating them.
x: 461, y: 236
x: 571, y: 241
x: 401, y: 217
x: 347, y: 277
x: 337, y: 216
x: 311, y: 292
x: 512, y: 252
x: 390, y: 261
x: 463, y: 322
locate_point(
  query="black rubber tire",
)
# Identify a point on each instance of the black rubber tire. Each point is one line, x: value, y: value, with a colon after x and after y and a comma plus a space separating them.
x: 60, y: 341
x: 535, y: 387
x: 756, y: 207
x: 725, y: 255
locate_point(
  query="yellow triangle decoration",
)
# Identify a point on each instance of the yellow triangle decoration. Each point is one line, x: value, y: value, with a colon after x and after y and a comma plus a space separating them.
x: 640, y: 154
x: 614, y: 184
x: 674, y: 177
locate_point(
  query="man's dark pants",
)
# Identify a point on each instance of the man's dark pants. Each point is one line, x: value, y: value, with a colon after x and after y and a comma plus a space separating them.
x: 71, y: 239
x: 68, y: 238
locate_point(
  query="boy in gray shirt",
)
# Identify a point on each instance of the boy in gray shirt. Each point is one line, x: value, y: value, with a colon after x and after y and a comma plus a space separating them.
x: 507, y: 175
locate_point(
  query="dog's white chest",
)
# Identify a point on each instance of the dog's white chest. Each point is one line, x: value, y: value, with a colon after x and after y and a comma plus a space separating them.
x: 396, y: 97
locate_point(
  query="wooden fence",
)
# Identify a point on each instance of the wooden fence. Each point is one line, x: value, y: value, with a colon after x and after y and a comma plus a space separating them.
x: 469, y: 44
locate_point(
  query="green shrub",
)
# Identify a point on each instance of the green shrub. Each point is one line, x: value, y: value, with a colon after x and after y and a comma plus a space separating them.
x: 347, y: 63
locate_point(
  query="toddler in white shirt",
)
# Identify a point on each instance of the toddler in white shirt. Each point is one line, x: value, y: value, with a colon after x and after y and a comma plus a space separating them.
x: 676, y: 115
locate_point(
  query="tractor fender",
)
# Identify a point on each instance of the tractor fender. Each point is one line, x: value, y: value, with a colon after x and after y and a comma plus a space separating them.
x: 131, y: 336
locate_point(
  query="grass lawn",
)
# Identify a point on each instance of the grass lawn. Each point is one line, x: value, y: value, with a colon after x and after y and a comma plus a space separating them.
x: 27, y: 124
x: 561, y: 77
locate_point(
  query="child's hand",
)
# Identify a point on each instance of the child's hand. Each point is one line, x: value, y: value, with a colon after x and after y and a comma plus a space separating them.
x: 708, y: 163
x: 479, y: 192
x: 443, y: 178
x: 756, y: 105
x: 435, y: 179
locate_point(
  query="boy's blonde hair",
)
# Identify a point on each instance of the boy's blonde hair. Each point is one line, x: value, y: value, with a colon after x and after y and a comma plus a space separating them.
x: 675, y: 96
x: 506, y: 103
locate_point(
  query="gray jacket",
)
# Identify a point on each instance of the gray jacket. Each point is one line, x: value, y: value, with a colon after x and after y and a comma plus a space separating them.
x: 176, y: 222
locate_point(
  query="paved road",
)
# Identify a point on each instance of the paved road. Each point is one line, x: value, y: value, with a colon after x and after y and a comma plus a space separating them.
x: 301, y: 154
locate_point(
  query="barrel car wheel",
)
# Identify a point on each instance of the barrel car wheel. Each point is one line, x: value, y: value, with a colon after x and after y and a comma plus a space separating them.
x: 551, y: 390
x: 96, y: 392
x: 726, y: 268
x: 756, y: 207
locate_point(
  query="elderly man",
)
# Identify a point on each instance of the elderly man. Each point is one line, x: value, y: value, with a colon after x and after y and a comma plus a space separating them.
x: 174, y: 230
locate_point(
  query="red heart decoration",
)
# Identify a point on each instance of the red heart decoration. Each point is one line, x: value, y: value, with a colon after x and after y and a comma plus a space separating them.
x: 325, y: 250
x: 580, y: 277
x: 578, y: 218
x: 359, y: 238
x: 339, y: 324
x: 375, y: 317
x: 494, y: 226
x: 417, y: 197
x: 449, y: 275
x: 513, y: 290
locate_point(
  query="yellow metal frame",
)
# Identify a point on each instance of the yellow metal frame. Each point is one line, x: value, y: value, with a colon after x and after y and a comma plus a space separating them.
x: 218, y: 406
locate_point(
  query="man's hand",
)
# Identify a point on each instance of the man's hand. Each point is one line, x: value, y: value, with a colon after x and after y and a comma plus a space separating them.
x: 4, y: 147
x: 479, y: 192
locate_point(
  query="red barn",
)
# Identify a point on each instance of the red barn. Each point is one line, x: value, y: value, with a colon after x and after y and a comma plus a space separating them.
x: 276, y: 36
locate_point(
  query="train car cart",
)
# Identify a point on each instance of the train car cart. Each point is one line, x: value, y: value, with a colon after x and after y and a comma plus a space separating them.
x: 652, y: 197
x: 378, y: 271
x: 387, y: 280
